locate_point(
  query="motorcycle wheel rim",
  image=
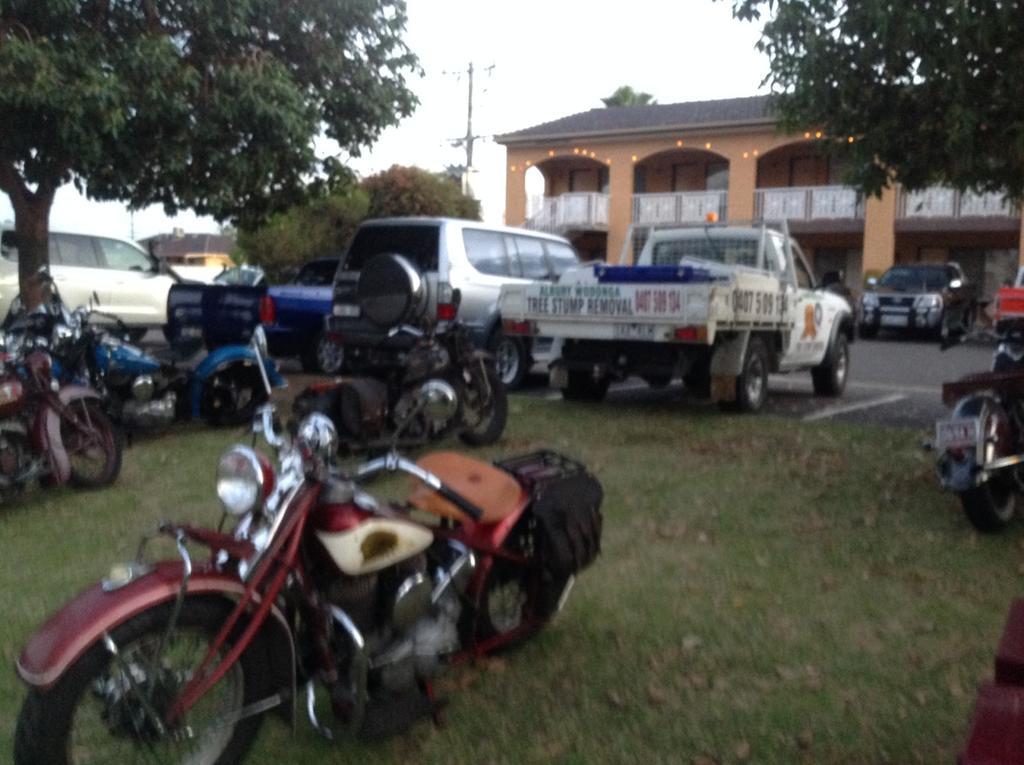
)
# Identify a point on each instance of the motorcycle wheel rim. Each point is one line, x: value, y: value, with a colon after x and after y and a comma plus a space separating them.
x: 505, y: 604
x: 88, y: 448
x: 109, y: 726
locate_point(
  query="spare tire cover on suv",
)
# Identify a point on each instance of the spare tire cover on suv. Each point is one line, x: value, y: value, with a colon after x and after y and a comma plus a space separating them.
x: 390, y: 290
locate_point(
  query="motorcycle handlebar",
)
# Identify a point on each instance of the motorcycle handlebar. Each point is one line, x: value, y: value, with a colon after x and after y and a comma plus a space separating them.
x: 392, y: 462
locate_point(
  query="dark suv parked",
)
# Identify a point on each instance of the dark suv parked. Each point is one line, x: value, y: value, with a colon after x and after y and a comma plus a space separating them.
x: 917, y: 297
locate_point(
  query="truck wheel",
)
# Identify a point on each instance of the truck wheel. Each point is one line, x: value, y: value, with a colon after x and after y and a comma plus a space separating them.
x: 829, y: 377
x: 583, y: 387
x: 510, y: 358
x: 752, y: 381
x: 321, y: 355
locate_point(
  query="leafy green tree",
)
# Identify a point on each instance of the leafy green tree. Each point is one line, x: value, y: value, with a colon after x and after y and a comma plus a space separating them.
x: 200, y: 105
x: 626, y: 96
x: 414, y: 191
x: 288, y: 239
x: 916, y: 93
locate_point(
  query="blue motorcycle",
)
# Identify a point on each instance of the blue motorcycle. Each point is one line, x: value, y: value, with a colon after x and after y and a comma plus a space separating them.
x: 148, y: 390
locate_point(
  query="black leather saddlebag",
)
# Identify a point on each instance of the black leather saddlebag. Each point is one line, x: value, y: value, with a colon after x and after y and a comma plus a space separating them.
x: 567, y: 507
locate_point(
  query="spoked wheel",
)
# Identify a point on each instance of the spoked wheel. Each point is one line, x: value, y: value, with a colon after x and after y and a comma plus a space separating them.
x: 92, y: 443
x: 484, y: 409
x: 231, y: 397
x: 113, y: 709
x: 516, y: 600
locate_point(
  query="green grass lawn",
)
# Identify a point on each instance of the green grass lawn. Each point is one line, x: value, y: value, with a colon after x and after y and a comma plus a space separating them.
x: 769, y: 591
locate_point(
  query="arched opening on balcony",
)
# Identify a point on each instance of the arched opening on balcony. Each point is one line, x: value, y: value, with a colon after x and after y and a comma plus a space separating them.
x: 680, y: 186
x: 573, y: 202
x: 802, y: 185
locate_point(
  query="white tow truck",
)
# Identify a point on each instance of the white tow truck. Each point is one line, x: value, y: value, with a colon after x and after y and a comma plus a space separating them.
x: 720, y: 306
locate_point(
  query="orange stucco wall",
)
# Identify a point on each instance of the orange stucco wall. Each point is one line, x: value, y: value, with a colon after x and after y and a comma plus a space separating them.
x: 741, y: 150
x: 758, y: 158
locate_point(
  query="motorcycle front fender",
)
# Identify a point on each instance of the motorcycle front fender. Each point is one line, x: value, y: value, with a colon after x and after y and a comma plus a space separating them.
x: 83, y: 621
x: 46, y: 437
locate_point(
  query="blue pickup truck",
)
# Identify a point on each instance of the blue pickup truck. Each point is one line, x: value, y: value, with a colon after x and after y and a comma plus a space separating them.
x: 292, y: 314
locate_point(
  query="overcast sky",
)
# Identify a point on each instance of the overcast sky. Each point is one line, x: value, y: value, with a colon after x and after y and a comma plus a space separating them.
x: 550, y: 58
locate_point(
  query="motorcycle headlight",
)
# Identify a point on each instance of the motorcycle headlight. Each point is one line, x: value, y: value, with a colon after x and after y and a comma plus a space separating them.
x: 870, y: 300
x: 243, y: 480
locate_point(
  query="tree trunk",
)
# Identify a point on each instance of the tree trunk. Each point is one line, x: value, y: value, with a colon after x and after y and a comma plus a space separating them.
x: 31, y: 227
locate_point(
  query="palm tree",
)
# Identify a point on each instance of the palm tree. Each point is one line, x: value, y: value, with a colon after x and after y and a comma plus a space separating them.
x: 626, y: 96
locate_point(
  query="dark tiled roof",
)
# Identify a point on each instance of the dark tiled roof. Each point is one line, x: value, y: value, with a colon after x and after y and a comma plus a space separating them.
x: 631, y: 119
x: 171, y: 246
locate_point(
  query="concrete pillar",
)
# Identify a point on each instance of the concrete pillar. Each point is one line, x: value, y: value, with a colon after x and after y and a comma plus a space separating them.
x: 880, y: 232
x: 620, y: 205
x: 515, y: 187
x: 742, y: 183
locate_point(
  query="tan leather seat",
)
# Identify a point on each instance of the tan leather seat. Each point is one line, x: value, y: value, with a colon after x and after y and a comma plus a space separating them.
x: 494, y: 491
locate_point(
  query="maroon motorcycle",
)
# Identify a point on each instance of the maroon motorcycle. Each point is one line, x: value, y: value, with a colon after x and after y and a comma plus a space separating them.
x: 50, y: 432
x: 317, y: 585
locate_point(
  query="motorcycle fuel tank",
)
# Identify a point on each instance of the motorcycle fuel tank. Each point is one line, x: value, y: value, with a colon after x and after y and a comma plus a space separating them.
x: 359, y: 543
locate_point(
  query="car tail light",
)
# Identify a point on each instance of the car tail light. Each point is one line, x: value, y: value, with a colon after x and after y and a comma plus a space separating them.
x: 268, y: 311
x: 446, y: 311
x: 511, y: 327
x: 691, y: 334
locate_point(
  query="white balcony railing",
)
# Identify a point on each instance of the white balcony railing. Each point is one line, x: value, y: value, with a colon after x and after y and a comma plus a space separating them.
x: 808, y: 203
x: 944, y: 202
x: 574, y: 211
x: 679, y: 207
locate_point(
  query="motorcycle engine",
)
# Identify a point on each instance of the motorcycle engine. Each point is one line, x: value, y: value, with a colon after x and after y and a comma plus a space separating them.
x: 425, y: 361
x: 408, y: 615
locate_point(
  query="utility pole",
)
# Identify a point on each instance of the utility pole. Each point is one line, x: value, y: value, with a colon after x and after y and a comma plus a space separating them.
x: 469, y: 138
x: 469, y: 122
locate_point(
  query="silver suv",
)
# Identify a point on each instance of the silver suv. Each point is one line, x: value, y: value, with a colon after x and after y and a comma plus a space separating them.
x: 451, y: 254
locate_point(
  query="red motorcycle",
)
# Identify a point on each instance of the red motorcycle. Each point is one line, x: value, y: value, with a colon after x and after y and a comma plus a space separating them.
x: 50, y: 432
x: 318, y: 585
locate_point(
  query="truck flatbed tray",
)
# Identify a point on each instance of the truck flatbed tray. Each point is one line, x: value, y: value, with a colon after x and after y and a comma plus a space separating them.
x: 1006, y: 383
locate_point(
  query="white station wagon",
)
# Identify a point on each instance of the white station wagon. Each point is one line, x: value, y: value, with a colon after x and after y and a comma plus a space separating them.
x: 121, y: 274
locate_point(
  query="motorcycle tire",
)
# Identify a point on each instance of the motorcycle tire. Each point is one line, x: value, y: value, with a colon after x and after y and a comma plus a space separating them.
x: 92, y: 690
x: 231, y: 397
x: 515, y: 603
x: 96, y: 456
x: 489, y: 420
x: 991, y: 506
